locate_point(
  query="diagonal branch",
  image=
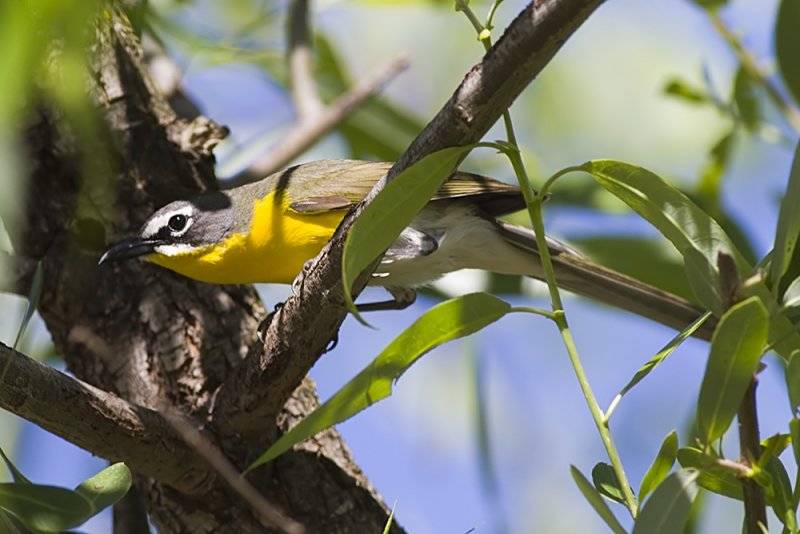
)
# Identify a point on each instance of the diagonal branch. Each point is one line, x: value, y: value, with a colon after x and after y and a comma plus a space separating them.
x: 100, y: 422
x: 300, y: 331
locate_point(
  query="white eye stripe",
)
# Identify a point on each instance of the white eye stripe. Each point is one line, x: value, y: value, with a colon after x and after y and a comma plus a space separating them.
x: 160, y: 221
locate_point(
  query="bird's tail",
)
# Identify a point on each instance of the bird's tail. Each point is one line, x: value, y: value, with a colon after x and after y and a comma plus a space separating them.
x: 579, y: 275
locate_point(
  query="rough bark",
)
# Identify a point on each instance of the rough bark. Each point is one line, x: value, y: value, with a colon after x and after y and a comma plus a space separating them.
x: 146, y: 341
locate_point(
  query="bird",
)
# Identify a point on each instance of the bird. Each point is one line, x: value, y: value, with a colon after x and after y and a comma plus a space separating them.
x: 265, y: 231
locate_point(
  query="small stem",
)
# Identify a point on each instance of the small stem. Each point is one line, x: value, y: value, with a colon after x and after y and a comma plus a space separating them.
x: 534, y: 202
x: 755, y: 508
x: 749, y: 64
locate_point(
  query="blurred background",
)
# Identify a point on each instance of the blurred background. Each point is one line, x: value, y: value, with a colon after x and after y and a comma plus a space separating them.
x: 645, y: 82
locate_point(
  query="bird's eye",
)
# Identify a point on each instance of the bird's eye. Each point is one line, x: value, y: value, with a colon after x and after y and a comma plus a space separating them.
x: 177, y: 223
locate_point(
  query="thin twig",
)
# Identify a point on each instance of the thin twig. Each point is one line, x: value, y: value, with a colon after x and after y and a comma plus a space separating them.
x: 208, y: 451
x: 309, y: 131
x: 304, y: 90
x: 750, y: 66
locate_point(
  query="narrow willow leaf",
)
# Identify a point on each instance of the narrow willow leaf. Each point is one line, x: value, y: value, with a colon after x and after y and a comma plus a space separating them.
x: 667, y: 510
x: 746, y: 100
x: 791, y: 297
x: 794, y: 431
x: 736, y: 349
x: 389, y: 520
x: 704, y: 278
x: 444, y: 322
x: 106, y: 487
x: 596, y: 501
x: 708, y: 186
x: 772, y: 447
x: 657, y: 359
x: 787, y: 43
x: 683, y: 90
x: 15, y: 473
x: 788, y: 229
x: 607, y: 483
x: 44, y: 508
x: 391, y: 211
x: 712, y: 478
x: 779, y: 492
x: 678, y: 219
x: 661, y: 466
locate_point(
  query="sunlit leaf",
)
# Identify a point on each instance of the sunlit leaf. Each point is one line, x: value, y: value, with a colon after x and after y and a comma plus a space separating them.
x: 444, y: 322
x: 712, y: 477
x: 736, y: 349
x: 704, y: 278
x: 44, y: 508
x: 657, y: 359
x: 678, y: 219
x: 596, y: 501
x: 661, y: 466
x: 787, y: 43
x: 106, y: 487
x: 779, y: 492
x: 666, y: 511
x: 391, y: 211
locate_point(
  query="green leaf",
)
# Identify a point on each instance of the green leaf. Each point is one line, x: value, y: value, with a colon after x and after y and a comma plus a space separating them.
x: 607, y: 483
x: 652, y: 261
x: 708, y: 187
x: 787, y: 43
x: 106, y: 487
x: 793, y: 381
x: 678, y: 219
x: 704, y: 278
x: 44, y: 508
x: 596, y: 501
x: 53, y: 509
x: 736, y: 349
x: 388, y: 527
x: 668, y: 508
x: 712, y: 477
x: 791, y: 297
x: 391, y: 211
x: 661, y: 465
x: 794, y: 431
x: 788, y: 229
x: 710, y: 4
x: 15, y: 473
x: 779, y: 492
x: 683, y: 90
x: 444, y: 322
x: 656, y: 360
x: 744, y: 95
x: 772, y: 447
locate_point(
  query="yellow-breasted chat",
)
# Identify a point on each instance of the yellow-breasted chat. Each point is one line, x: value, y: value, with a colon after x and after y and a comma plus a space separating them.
x: 265, y: 231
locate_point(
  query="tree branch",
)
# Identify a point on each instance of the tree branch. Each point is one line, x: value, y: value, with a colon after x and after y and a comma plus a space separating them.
x: 301, y: 330
x: 99, y: 422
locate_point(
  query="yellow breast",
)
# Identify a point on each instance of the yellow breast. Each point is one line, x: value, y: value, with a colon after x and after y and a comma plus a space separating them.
x: 274, y: 250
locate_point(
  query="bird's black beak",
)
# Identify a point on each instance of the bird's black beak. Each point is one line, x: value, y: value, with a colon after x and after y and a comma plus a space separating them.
x: 132, y: 247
